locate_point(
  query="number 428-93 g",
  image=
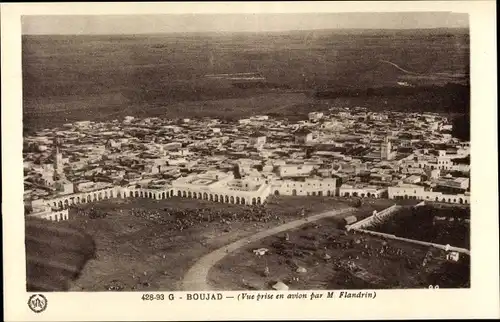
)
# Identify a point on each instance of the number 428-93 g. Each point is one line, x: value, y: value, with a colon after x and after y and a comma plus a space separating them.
x: 157, y: 297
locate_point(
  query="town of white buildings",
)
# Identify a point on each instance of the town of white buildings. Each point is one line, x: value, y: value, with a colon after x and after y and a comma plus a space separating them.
x: 343, y: 152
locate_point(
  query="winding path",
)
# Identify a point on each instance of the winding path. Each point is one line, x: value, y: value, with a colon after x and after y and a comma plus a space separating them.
x: 400, y: 68
x: 196, y: 277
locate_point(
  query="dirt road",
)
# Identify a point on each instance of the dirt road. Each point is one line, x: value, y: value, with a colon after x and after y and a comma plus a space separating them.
x: 196, y: 277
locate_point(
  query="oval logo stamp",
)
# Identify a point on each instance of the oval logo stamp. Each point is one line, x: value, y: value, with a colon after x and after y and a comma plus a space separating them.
x: 37, y: 303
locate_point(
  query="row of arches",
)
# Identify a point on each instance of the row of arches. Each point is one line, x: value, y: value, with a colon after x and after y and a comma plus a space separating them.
x: 64, y: 203
x: 147, y: 194
x: 58, y: 216
x: 218, y: 197
x: 360, y: 194
x: 54, y: 216
x: 448, y: 199
x: 320, y: 193
x: 438, y: 166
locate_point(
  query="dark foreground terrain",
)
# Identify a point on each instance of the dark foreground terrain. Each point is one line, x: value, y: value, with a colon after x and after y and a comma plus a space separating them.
x: 69, y: 78
x: 441, y: 225
x: 143, y: 244
x: 323, y: 256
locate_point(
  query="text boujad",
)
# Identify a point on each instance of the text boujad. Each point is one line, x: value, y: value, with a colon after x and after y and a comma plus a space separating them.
x: 204, y: 296
x: 263, y: 296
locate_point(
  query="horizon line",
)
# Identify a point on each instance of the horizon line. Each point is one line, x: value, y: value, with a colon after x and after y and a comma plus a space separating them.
x: 246, y: 32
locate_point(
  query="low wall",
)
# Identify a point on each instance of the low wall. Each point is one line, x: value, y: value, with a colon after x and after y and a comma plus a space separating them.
x: 420, y: 204
x: 413, y: 241
x: 52, y: 216
x: 368, y: 221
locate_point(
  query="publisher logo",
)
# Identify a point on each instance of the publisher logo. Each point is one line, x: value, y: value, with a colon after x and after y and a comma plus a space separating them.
x: 37, y: 303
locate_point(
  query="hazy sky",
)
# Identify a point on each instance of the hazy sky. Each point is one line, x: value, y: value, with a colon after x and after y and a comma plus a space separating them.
x: 138, y: 24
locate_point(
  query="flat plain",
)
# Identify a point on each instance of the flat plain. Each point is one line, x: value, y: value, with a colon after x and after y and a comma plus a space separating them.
x: 70, y: 78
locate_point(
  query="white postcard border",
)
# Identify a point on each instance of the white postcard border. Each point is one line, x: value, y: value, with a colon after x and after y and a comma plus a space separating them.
x: 481, y: 300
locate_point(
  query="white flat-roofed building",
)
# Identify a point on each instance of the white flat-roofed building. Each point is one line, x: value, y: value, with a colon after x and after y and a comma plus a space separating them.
x: 444, y: 162
x: 303, y: 136
x: 434, y: 174
x: 344, y: 114
x: 64, y: 187
x: 244, y: 121
x: 112, y: 144
x: 412, y: 179
x: 332, y: 125
x: 260, y: 118
x: 176, y: 161
x: 306, y: 187
x: 172, y: 146
x: 315, y: 116
x: 128, y: 119
x: 245, y: 165
x: 456, y: 183
x: 257, y: 140
x: 407, y: 191
x: 356, y: 190
x: 82, y: 124
x: 294, y: 170
x: 378, y: 117
x: 222, y: 187
x: 85, y: 186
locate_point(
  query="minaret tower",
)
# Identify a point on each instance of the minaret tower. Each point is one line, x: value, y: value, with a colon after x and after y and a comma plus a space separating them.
x: 58, y: 160
x: 385, y: 149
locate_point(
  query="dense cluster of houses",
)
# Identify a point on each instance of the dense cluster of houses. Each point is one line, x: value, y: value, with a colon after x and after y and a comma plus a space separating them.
x: 343, y: 152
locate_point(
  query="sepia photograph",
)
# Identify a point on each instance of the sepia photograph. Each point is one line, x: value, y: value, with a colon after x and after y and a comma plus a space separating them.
x: 248, y: 152
x: 192, y: 159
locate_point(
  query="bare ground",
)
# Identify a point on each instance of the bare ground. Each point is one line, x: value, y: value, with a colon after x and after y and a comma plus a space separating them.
x: 398, y: 265
x: 140, y: 253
